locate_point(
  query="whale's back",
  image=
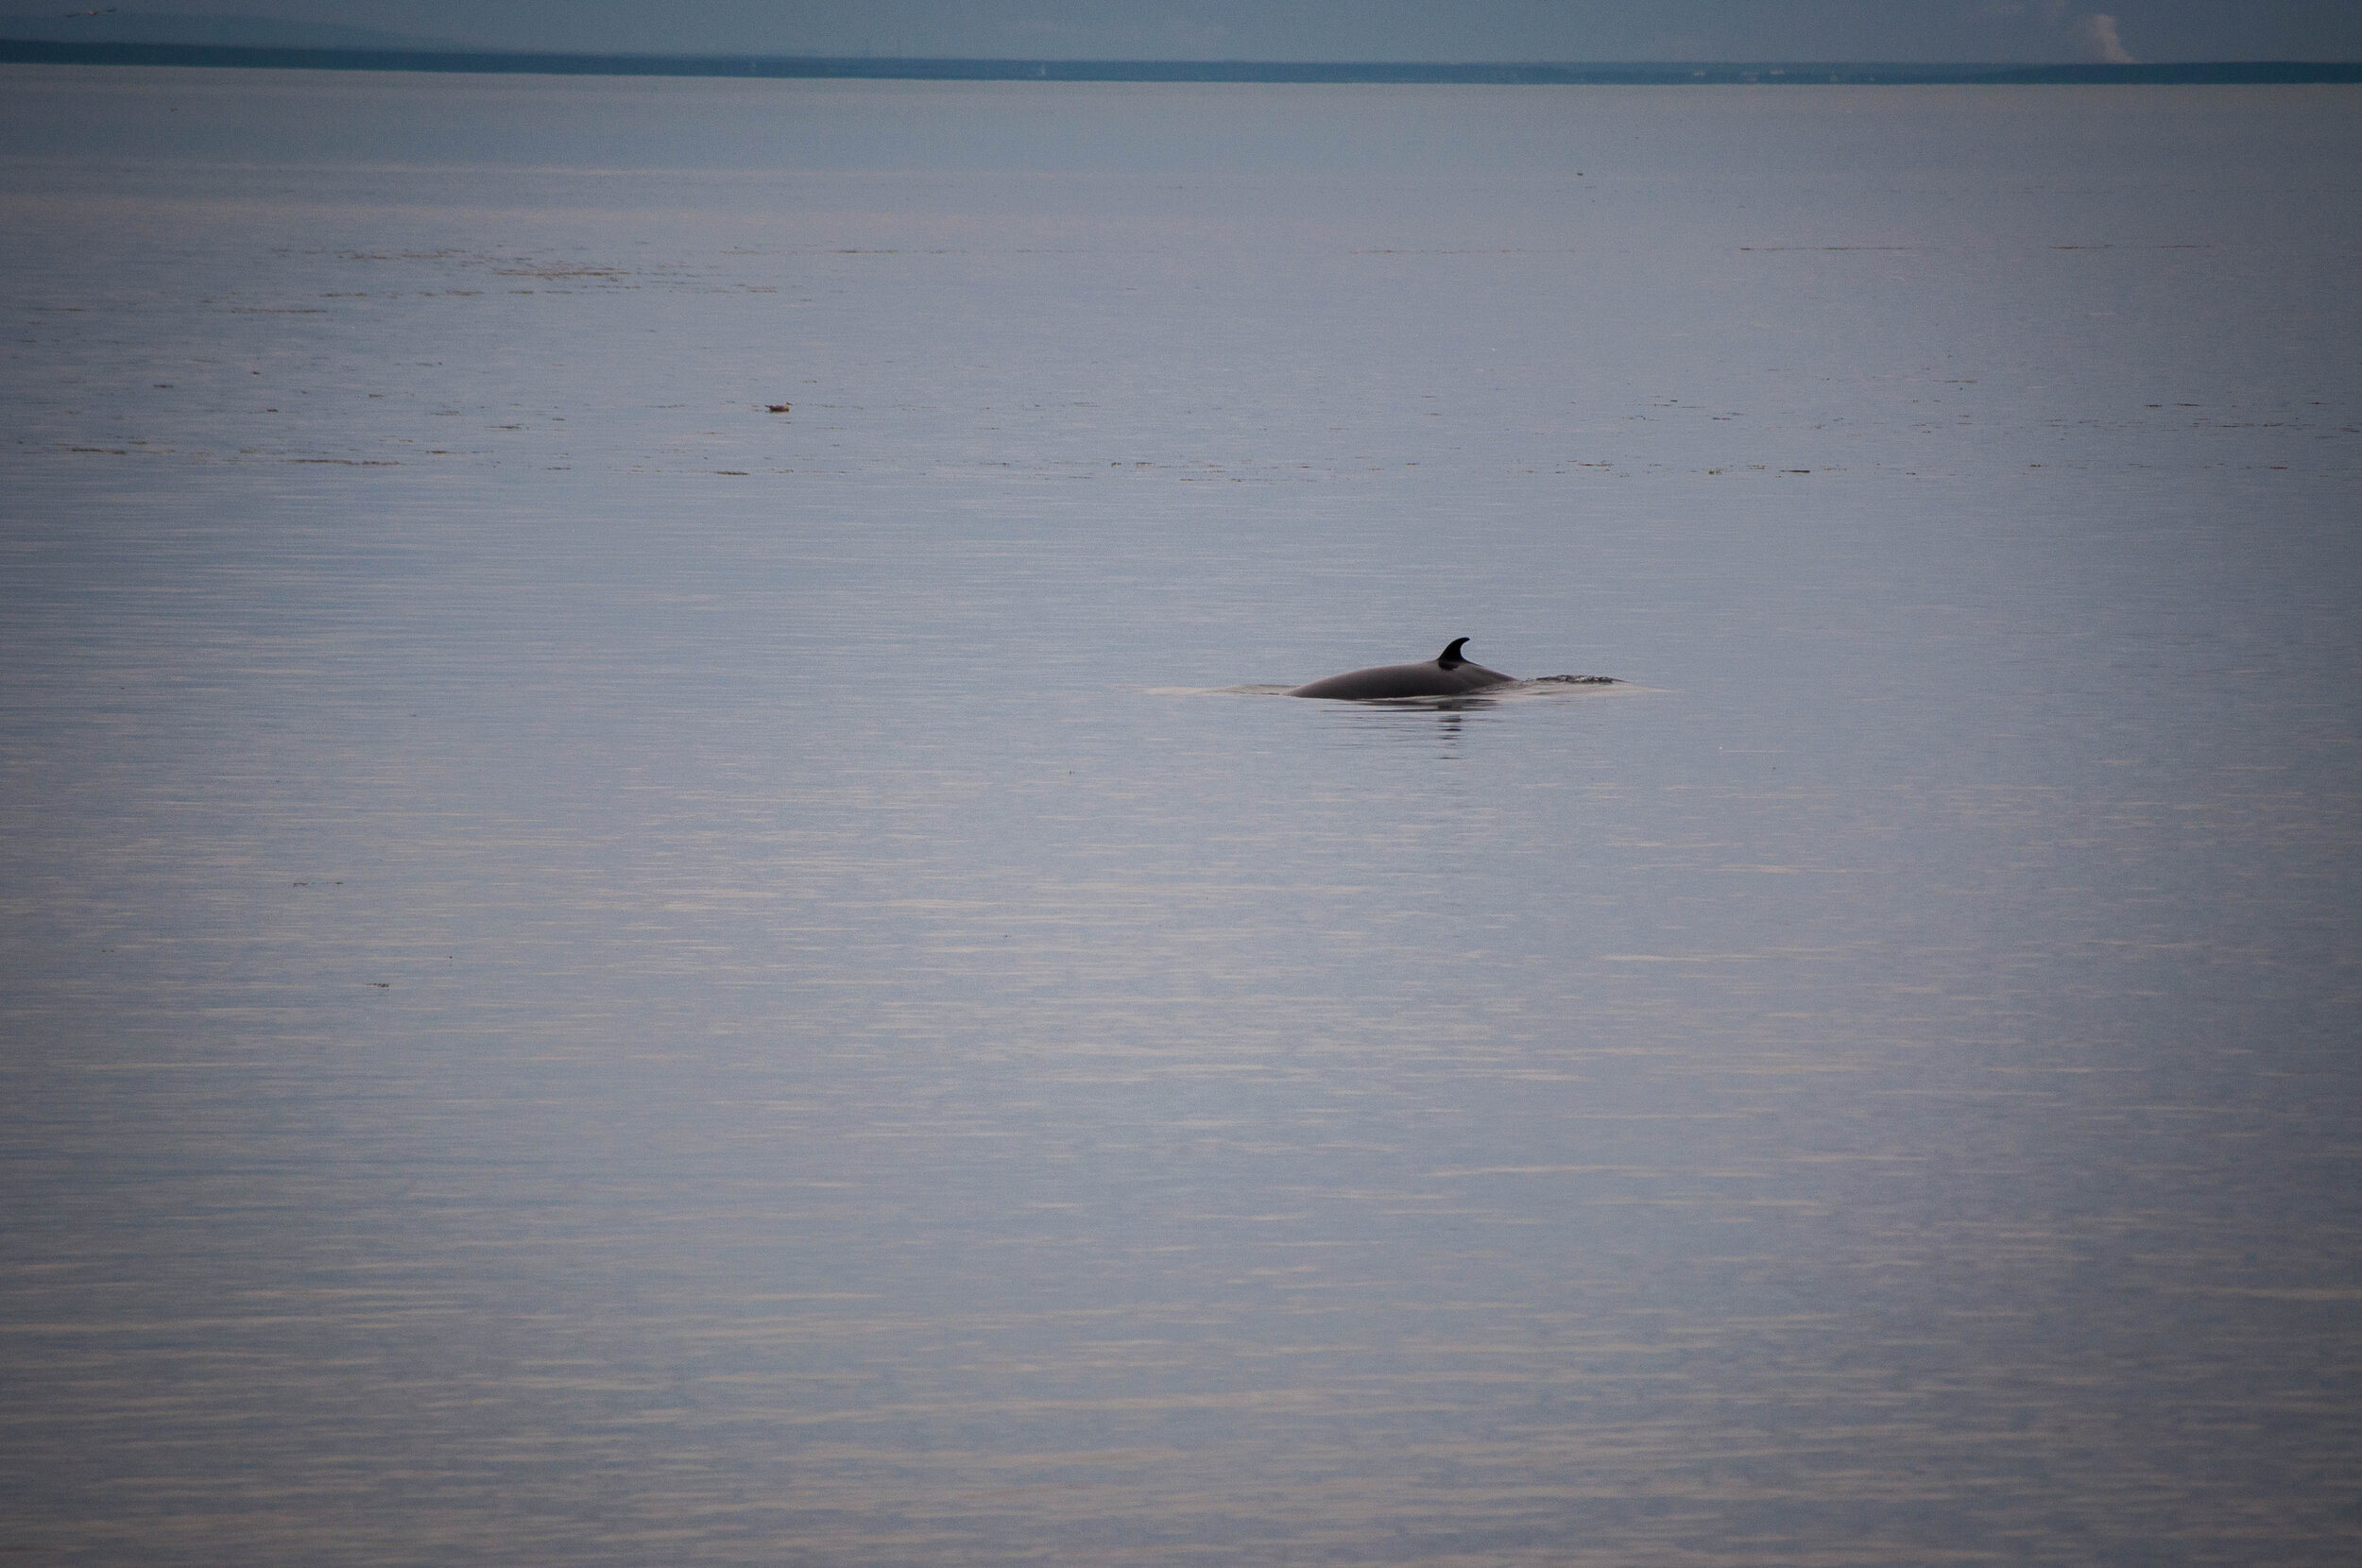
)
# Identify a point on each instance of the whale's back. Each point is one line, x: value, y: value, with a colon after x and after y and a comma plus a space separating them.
x: 1445, y: 675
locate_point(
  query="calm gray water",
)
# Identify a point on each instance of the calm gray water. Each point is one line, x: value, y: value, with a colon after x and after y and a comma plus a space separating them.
x: 595, y: 974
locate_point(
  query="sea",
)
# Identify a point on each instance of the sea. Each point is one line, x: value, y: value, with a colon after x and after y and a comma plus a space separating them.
x: 657, y: 904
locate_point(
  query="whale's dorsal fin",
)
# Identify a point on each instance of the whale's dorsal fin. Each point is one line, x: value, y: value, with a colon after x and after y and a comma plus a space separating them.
x: 1449, y: 659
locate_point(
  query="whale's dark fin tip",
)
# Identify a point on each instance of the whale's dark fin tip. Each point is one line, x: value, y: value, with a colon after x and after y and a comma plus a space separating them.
x: 1450, y: 655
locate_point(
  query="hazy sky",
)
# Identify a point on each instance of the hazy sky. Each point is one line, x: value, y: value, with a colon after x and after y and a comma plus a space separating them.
x: 2160, y: 30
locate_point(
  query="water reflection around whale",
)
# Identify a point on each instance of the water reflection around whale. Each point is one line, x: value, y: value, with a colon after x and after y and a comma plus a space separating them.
x: 1541, y: 687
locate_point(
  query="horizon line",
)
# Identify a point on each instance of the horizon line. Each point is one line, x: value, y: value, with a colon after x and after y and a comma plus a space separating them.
x: 954, y: 68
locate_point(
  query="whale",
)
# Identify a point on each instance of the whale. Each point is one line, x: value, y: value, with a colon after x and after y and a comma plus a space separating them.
x: 1444, y: 675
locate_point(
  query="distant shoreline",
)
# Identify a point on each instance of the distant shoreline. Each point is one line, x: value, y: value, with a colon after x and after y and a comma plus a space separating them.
x: 1642, y: 74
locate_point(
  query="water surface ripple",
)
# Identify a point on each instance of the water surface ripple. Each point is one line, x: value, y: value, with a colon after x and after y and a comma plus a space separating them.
x: 594, y: 974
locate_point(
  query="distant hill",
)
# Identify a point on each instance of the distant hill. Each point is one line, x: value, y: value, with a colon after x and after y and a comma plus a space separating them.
x: 52, y: 24
x: 382, y: 51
